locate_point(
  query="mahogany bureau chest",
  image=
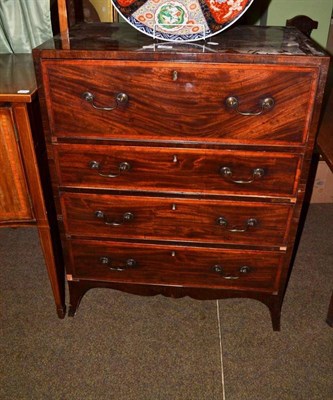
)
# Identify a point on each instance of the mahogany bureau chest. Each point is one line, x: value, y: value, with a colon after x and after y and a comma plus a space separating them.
x: 180, y: 169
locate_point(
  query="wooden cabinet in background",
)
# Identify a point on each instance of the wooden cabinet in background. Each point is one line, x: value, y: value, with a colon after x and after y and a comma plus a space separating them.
x: 24, y: 171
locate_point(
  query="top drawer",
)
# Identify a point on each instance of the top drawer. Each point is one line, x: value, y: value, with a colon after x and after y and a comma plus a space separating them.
x: 179, y: 101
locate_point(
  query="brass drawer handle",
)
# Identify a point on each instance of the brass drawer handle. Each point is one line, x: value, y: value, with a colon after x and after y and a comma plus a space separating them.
x: 265, y: 104
x: 242, y: 270
x: 251, y: 222
x: 126, y: 217
x: 120, y: 98
x: 227, y: 173
x: 130, y: 263
x: 122, y: 167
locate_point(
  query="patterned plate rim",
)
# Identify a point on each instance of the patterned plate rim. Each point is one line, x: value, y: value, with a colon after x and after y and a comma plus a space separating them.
x: 173, y: 37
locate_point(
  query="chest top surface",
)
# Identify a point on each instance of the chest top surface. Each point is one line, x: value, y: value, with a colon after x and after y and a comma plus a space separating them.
x: 17, y: 78
x: 239, y: 44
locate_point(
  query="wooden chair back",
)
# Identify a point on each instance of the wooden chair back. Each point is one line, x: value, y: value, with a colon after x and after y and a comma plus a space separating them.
x: 304, y: 23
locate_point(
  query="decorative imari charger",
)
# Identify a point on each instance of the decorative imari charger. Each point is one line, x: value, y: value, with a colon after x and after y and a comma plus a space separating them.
x: 181, y: 20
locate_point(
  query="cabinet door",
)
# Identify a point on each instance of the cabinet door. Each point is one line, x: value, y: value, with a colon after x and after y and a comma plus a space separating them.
x: 14, y: 198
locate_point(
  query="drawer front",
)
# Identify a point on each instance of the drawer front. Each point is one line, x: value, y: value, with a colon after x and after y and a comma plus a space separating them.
x: 178, y: 101
x: 177, y: 170
x: 184, y: 266
x: 131, y: 217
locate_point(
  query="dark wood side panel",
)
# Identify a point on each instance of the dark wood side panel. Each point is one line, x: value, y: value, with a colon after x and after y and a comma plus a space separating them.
x: 325, y: 134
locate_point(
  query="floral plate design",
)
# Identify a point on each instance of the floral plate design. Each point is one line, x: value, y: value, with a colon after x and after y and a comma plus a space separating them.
x: 181, y: 20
